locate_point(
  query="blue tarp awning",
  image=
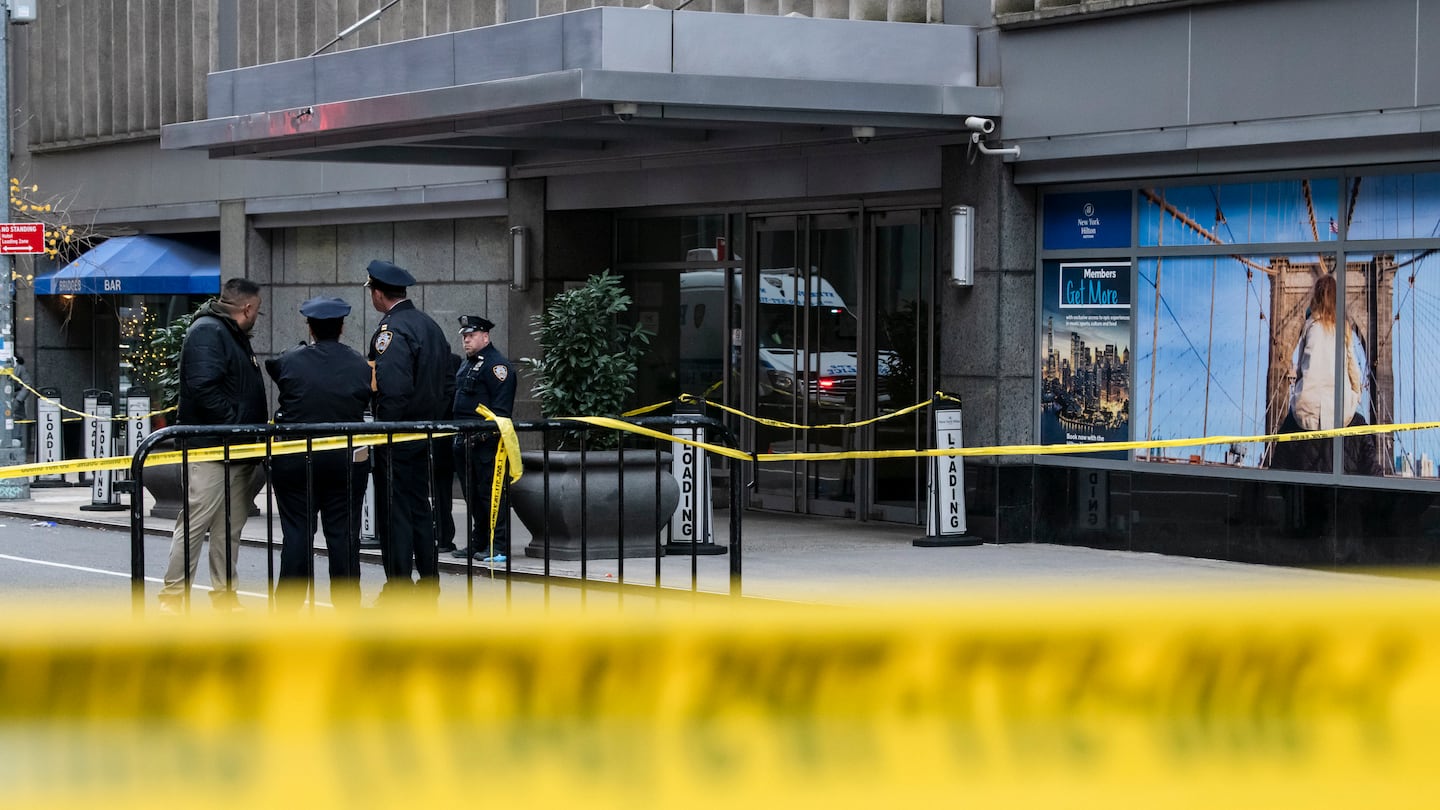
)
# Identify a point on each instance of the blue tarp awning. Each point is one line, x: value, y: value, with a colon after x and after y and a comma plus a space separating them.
x: 136, y: 265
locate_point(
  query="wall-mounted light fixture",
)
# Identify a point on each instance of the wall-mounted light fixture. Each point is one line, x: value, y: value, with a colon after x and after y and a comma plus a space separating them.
x: 962, y: 245
x: 519, y: 259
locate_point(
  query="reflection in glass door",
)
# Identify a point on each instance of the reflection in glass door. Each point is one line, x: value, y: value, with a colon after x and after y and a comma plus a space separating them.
x: 800, y: 286
x: 902, y: 247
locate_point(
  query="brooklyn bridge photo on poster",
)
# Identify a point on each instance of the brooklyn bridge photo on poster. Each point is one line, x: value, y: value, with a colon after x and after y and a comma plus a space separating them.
x: 1218, y: 336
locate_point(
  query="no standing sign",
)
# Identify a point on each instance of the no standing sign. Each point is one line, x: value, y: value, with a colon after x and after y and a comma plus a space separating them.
x: 22, y: 237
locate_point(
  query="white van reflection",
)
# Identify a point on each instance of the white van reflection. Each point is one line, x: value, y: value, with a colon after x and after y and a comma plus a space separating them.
x: 829, y: 368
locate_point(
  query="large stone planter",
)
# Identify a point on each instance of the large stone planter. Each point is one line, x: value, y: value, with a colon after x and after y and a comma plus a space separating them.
x: 600, y: 518
x: 163, y: 484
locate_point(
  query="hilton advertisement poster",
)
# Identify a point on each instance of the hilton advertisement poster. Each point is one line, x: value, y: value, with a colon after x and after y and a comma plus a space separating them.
x: 1085, y: 353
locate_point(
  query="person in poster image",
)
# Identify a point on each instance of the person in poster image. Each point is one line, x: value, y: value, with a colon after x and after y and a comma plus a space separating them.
x: 1312, y: 392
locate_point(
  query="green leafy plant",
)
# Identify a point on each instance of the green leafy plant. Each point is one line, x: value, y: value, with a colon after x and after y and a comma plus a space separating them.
x: 589, y: 357
x: 155, y: 356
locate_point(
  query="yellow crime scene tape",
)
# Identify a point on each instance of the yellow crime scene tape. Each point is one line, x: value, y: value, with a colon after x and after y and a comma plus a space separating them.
x: 80, y: 416
x: 691, y: 399
x: 506, y: 459
x: 1318, y: 697
x: 237, y: 452
x: 997, y: 450
x: 938, y: 397
x: 511, y: 442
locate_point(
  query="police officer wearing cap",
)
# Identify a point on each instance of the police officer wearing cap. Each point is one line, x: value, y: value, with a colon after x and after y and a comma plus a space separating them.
x: 485, y: 378
x: 411, y: 357
x: 442, y: 470
x: 320, y: 381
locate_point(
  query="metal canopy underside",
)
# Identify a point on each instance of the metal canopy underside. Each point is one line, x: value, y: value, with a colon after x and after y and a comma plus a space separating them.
x: 545, y: 91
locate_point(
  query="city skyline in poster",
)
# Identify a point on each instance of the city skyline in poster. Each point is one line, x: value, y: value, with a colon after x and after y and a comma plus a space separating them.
x: 1085, y: 353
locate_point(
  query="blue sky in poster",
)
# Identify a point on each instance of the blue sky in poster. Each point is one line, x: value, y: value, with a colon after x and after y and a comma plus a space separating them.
x: 1230, y: 338
x: 1397, y: 206
x: 1181, y: 398
x: 1414, y: 334
x: 1237, y: 213
x: 1405, y: 206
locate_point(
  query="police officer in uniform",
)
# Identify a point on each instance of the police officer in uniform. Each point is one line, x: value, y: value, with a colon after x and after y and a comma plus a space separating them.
x: 411, y: 356
x: 320, y: 381
x: 485, y: 378
x: 442, y: 469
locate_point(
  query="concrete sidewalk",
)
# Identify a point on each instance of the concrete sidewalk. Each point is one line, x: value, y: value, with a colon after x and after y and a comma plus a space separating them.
x: 814, y: 560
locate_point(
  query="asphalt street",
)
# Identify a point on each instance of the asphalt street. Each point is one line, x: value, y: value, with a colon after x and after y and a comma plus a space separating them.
x: 41, y: 563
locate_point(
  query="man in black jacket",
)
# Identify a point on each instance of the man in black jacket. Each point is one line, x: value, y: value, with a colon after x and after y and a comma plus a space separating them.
x: 321, y: 381
x: 412, y: 359
x: 220, y: 384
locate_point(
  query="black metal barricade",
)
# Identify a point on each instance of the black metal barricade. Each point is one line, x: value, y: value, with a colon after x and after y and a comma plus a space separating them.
x: 584, y: 496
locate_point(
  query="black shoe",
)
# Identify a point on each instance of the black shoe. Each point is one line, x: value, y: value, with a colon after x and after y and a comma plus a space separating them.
x: 450, y: 547
x: 226, y: 602
x: 461, y: 553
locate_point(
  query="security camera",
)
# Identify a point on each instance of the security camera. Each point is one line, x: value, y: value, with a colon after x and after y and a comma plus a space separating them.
x: 977, y: 124
x: 625, y: 110
x: 862, y: 134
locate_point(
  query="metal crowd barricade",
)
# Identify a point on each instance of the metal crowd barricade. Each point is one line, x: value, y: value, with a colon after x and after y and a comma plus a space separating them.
x: 599, y: 526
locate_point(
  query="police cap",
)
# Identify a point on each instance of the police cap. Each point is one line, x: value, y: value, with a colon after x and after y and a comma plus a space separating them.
x: 475, y: 323
x: 321, y: 308
x: 389, y: 274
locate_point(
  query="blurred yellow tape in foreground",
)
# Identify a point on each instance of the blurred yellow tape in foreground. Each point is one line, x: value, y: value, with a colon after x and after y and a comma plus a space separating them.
x: 1307, y: 699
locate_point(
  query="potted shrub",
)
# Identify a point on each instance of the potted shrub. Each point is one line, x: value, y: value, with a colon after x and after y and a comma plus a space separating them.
x: 155, y: 363
x: 589, y: 359
x: 155, y: 358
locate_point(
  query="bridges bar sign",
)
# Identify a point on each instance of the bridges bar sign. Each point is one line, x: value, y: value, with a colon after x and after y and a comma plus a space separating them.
x: 22, y: 237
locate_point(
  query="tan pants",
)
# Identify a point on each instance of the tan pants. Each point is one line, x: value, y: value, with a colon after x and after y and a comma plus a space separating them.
x: 207, y: 514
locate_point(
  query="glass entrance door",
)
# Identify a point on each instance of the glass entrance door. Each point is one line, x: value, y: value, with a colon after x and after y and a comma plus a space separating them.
x: 800, y: 319
x: 804, y: 358
x: 902, y: 255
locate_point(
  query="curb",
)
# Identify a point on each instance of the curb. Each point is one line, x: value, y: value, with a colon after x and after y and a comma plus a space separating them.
x: 445, y: 565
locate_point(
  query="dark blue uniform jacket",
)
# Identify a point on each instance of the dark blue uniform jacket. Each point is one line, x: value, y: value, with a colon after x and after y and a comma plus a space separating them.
x: 411, y: 355
x: 487, y: 380
x: 320, y: 382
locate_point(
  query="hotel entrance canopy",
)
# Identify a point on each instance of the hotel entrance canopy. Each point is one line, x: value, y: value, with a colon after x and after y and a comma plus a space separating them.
x: 136, y: 265
x: 598, y: 85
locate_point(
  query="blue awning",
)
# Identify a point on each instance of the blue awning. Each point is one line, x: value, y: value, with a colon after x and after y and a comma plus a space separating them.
x: 136, y: 265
